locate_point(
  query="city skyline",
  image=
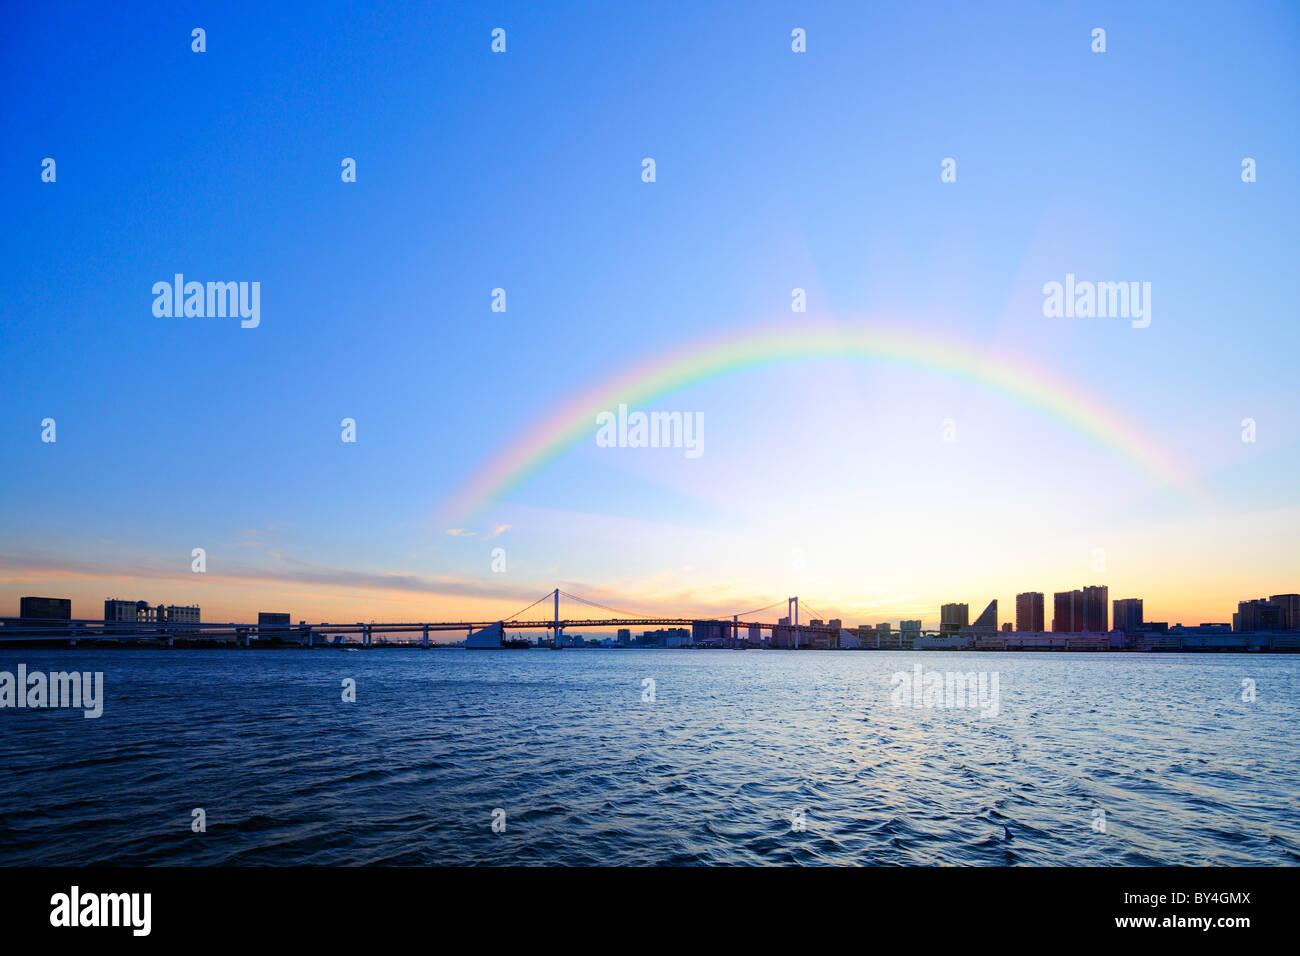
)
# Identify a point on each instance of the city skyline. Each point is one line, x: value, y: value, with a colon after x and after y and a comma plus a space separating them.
x: 1077, y: 610
x: 929, y: 430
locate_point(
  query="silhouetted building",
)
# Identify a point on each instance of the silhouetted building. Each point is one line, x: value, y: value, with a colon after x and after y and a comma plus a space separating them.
x: 710, y: 633
x: 1203, y: 628
x: 1096, y: 608
x: 1083, y: 610
x: 1260, y: 615
x: 34, y: 610
x: 988, y: 619
x: 1029, y: 611
x: 1128, y: 615
x: 116, y: 611
x: 139, y: 612
x: 1067, y: 611
x: 487, y: 637
x: 1291, y: 604
x: 272, y: 625
x: 666, y: 637
x: 953, y: 617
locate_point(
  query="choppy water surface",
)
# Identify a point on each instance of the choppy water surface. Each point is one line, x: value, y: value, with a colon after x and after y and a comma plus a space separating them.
x: 588, y: 772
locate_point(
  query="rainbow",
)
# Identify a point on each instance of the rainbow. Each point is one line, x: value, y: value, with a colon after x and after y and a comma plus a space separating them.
x: 641, y: 384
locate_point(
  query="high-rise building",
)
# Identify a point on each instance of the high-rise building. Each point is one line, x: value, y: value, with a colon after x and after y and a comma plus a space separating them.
x: 1291, y: 604
x: 1128, y: 615
x: 1084, y: 609
x: 953, y: 617
x: 1029, y: 611
x: 1260, y: 615
x: 1096, y: 608
x: 1067, y: 611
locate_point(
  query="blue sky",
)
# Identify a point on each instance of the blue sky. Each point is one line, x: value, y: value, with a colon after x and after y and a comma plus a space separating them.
x: 522, y: 170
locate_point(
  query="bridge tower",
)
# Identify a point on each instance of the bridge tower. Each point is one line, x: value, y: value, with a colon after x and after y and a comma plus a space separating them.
x: 792, y: 609
x: 555, y: 633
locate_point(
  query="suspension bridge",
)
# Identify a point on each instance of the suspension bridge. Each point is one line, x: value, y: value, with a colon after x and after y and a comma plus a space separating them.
x: 567, y: 612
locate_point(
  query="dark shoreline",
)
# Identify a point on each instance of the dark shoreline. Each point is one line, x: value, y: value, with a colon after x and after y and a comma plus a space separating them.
x: 61, y: 645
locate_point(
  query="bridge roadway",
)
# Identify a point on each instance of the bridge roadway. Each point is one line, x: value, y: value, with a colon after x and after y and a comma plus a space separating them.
x: 17, y: 629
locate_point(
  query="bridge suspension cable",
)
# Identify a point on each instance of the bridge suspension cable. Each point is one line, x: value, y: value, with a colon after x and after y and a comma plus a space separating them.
x: 812, y: 611
x: 515, y: 616
x: 611, y: 610
x: 758, y: 609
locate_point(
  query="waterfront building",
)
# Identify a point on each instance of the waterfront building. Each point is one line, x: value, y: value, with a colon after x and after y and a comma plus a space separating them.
x: 116, y: 611
x: 666, y: 637
x: 1205, y: 629
x: 139, y: 612
x: 1029, y: 612
x: 34, y: 609
x: 1096, y: 609
x: 487, y: 638
x: 953, y: 617
x: 1291, y: 604
x: 272, y: 625
x: 1067, y: 611
x: 988, y: 619
x: 710, y: 633
x: 1128, y: 615
x: 1260, y: 615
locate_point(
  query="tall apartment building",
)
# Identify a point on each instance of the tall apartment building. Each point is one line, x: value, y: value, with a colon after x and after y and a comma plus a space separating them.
x: 1291, y: 604
x: 1262, y: 615
x: 1029, y: 611
x: 1128, y: 615
x: 1084, y: 609
x: 953, y: 617
x: 1067, y: 611
x: 1096, y: 609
